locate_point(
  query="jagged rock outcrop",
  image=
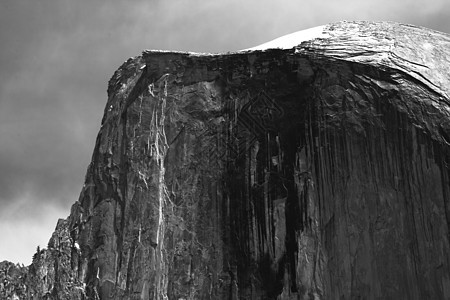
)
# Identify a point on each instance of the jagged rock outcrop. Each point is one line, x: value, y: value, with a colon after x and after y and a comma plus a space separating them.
x: 12, y: 281
x: 320, y: 171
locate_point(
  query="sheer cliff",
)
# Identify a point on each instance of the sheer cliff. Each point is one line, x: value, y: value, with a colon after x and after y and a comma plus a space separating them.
x: 318, y: 170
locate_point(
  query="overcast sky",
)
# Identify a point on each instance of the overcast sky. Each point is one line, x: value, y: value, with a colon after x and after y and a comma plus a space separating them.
x: 56, y: 57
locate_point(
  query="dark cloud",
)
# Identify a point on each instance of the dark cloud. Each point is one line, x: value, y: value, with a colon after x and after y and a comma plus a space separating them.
x: 56, y: 57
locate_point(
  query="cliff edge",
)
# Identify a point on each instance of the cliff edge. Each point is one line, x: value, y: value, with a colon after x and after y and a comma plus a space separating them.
x: 312, y: 167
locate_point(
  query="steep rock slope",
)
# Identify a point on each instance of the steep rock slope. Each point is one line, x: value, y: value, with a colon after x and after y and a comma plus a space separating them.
x: 319, y: 171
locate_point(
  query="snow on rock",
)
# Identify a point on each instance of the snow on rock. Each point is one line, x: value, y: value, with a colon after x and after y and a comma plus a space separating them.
x: 291, y: 40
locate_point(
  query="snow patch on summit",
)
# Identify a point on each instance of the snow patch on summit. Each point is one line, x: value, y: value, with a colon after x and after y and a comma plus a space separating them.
x: 289, y: 41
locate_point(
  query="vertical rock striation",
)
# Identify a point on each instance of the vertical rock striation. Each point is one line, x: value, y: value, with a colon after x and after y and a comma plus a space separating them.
x: 319, y: 171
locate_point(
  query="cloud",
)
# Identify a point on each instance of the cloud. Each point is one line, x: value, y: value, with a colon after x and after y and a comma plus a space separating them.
x: 25, y: 225
x: 57, y: 56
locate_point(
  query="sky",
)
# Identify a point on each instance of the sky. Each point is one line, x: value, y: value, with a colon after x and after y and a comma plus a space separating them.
x: 56, y: 57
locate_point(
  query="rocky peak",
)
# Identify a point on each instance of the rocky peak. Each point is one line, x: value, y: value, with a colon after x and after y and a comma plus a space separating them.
x: 311, y: 167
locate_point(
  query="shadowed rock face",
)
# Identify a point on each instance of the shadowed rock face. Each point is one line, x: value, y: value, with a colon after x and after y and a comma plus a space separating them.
x: 317, y: 172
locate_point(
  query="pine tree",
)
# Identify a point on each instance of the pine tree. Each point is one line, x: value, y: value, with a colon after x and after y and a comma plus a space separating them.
x: 37, y: 254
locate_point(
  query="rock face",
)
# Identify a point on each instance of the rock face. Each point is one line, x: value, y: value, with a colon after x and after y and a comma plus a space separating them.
x: 319, y: 171
x: 12, y: 281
